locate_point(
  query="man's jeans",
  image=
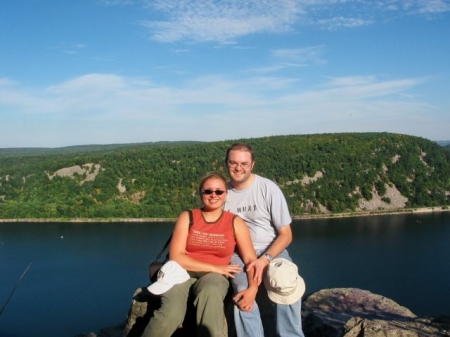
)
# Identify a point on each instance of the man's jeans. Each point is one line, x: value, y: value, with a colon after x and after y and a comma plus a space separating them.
x: 248, y: 324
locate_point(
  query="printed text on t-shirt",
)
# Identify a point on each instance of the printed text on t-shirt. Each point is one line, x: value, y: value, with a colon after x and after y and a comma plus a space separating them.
x: 202, y: 239
x: 246, y: 209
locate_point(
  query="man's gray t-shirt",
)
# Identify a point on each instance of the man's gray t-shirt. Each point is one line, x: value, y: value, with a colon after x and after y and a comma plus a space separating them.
x: 263, y: 207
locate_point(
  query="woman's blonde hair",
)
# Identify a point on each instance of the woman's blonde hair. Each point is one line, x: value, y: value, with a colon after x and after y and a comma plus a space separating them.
x: 212, y: 175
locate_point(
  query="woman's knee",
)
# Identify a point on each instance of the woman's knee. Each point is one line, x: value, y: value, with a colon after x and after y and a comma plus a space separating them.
x: 212, y: 284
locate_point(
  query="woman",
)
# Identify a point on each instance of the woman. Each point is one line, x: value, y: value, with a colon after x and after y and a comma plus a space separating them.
x: 204, y: 249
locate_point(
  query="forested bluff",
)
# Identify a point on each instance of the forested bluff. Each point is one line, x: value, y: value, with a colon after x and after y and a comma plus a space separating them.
x: 320, y: 175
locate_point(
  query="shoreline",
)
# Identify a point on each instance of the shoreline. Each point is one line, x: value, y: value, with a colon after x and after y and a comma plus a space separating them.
x: 419, y: 210
x: 400, y: 211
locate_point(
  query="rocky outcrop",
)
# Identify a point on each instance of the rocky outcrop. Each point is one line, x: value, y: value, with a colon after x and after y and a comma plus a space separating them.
x: 339, y: 312
x: 88, y: 172
x: 350, y: 312
x: 141, y: 310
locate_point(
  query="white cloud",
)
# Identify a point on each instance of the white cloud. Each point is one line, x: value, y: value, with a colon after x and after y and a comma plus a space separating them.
x: 350, y: 81
x: 300, y: 56
x: 100, y: 96
x: 265, y: 70
x: 70, y: 49
x: 342, y: 22
x: 6, y: 82
x: 213, y: 20
x: 114, y: 2
x: 417, y: 6
x: 433, y: 6
x: 108, y: 108
x: 224, y: 20
x: 112, y: 91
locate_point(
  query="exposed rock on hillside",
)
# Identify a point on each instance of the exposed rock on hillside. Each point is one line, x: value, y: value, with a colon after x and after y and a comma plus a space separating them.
x: 88, y: 171
x: 397, y: 200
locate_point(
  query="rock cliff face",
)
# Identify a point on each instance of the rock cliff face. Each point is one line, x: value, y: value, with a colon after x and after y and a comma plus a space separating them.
x: 340, y: 312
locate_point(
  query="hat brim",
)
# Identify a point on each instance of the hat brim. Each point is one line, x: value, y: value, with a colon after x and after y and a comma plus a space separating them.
x: 291, y: 298
x: 158, y: 288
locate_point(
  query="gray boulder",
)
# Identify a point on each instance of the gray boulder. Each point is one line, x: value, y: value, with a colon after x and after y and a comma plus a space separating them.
x: 350, y: 312
x: 339, y: 312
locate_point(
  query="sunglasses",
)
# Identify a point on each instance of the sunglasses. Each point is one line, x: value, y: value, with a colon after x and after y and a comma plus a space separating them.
x: 209, y: 192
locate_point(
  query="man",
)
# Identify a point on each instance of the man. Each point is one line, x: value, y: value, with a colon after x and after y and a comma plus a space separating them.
x: 262, y: 205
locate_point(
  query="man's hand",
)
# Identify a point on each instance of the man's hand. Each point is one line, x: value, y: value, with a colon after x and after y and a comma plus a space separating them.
x: 246, y: 298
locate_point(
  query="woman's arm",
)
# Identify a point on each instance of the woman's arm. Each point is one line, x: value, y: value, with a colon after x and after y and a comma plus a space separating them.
x: 244, y: 241
x: 246, y: 298
x: 177, y: 251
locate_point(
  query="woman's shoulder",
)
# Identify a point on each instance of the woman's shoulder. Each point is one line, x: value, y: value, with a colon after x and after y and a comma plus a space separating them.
x: 229, y: 214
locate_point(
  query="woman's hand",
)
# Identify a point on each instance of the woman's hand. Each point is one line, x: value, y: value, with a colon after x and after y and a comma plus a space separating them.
x: 228, y: 270
x: 260, y: 266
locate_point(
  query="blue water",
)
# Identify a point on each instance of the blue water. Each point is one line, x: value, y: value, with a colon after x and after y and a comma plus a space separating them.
x: 82, y: 276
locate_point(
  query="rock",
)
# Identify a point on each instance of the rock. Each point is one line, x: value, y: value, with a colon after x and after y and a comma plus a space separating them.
x: 358, y: 326
x: 339, y: 312
x: 350, y: 312
x: 116, y: 331
x: 143, y: 304
x: 141, y: 310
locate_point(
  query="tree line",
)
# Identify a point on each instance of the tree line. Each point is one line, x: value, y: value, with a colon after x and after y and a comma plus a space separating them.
x: 159, y: 180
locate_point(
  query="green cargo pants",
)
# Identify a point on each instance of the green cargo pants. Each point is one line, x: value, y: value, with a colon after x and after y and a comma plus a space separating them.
x: 207, y: 290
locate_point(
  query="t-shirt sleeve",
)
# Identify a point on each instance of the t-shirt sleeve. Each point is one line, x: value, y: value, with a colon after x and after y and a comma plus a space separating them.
x: 279, y: 208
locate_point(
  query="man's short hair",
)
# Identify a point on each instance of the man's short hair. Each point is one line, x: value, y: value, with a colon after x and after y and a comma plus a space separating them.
x: 240, y: 147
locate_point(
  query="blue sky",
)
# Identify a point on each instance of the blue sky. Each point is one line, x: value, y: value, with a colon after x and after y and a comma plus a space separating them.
x: 75, y: 72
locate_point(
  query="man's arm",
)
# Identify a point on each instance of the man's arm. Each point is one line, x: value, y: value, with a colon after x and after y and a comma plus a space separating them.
x: 283, y: 240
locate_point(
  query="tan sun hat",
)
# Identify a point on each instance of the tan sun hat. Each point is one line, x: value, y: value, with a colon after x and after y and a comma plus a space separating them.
x: 283, y: 283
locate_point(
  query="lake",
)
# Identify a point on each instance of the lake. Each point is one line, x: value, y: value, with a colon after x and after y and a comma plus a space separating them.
x: 82, y: 275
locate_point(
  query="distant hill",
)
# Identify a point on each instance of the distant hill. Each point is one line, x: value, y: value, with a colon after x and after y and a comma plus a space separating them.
x: 319, y: 174
x: 443, y: 142
x: 83, y: 149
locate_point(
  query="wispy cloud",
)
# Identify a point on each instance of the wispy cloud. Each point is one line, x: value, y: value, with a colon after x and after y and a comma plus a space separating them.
x: 413, y: 7
x: 292, y: 58
x: 6, y: 82
x: 342, y: 22
x: 433, y: 6
x: 265, y: 70
x: 350, y: 81
x: 114, y: 2
x: 70, y: 49
x: 213, y: 20
x: 117, y: 96
x: 224, y: 20
x: 260, y: 105
x: 300, y: 56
